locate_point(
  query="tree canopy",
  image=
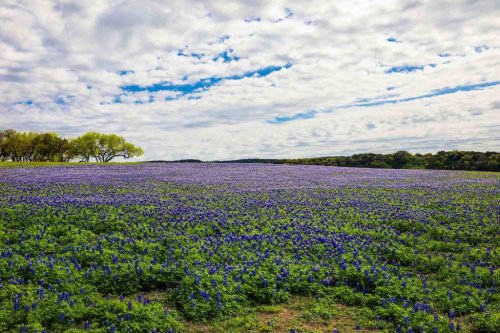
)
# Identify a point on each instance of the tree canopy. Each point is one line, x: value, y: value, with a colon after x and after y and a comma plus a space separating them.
x: 49, y: 147
x: 447, y: 160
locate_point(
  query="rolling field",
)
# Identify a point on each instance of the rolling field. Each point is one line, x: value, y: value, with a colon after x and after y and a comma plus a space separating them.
x: 248, y: 248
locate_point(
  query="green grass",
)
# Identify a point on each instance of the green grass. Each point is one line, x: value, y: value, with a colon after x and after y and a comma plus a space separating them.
x: 52, y: 164
x: 304, y: 314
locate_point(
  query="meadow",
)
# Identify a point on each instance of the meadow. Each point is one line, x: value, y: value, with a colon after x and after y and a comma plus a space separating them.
x: 191, y: 247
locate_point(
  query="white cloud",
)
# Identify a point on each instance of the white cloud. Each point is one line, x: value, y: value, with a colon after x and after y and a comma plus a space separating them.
x: 73, y: 52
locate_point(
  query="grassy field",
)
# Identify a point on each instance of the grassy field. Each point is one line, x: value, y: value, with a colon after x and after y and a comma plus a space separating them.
x: 247, y: 248
x: 52, y: 164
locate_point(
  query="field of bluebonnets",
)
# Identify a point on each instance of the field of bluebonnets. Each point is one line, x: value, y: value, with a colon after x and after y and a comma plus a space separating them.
x: 247, y: 248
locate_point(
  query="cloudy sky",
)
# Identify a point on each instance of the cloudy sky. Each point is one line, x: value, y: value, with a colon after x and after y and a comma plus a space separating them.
x: 220, y: 79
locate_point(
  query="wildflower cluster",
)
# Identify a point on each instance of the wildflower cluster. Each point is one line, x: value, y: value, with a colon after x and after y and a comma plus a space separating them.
x: 87, y: 247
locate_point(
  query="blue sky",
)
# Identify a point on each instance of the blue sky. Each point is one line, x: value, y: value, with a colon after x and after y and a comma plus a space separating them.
x: 217, y: 80
x: 388, y: 99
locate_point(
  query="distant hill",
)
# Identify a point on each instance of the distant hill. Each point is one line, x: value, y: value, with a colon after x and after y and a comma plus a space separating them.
x: 176, y: 161
x: 254, y: 160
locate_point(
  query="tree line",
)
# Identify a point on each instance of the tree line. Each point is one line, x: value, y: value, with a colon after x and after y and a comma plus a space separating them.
x: 50, y: 147
x: 447, y: 160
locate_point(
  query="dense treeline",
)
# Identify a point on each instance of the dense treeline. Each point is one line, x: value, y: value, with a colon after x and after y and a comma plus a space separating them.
x: 447, y: 160
x: 50, y: 147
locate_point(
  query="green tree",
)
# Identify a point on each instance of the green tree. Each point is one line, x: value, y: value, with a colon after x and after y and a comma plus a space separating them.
x: 49, y: 147
x: 4, y: 155
x: 84, y: 147
x: 111, y: 146
x: 493, y: 161
x: 17, y: 146
x: 102, y: 147
x: 401, y: 159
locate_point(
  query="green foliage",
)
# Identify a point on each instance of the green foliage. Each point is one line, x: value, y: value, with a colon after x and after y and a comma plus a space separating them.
x: 159, y: 238
x: 324, y: 308
x: 488, y: 321
x: 448, y: 160
x: 49, y: 147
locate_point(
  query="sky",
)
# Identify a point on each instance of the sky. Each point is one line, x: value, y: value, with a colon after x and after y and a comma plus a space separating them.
x: 271, y: 79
